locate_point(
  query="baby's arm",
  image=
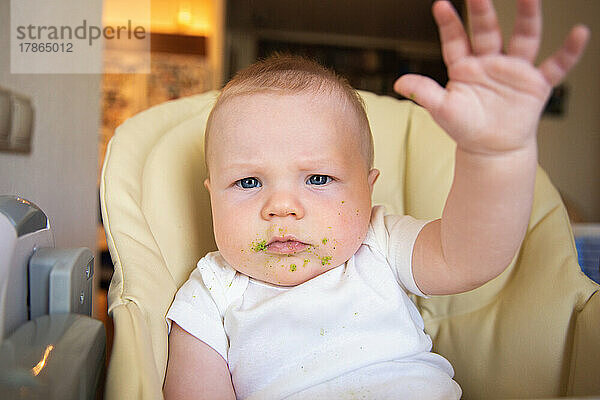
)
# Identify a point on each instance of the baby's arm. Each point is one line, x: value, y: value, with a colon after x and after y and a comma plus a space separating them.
x: 195, y: 370
x: 491, y: 108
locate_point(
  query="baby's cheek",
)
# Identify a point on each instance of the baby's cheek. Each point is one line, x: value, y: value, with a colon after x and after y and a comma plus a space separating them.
x: 352, y: 221
x: 237, y: 244
x: 345, y: 232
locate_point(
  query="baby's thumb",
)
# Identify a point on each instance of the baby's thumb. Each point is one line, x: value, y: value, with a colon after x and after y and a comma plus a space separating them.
x: 421, y: 89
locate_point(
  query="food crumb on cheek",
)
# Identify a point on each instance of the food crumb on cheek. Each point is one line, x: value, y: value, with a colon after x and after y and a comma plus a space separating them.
x: 324, y: 240
x: 259, y: 246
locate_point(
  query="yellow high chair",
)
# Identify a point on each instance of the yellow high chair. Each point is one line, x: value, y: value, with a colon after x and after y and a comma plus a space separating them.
x: 533, y: 332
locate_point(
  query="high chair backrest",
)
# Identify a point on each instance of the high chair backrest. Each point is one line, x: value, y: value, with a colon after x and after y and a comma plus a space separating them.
x: 531, y: 332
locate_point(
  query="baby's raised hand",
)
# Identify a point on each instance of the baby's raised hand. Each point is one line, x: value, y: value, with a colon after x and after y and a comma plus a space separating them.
x: 493, y: 99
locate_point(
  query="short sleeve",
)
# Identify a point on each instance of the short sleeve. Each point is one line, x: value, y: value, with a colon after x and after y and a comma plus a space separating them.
x: 395, y: 236
x: 196, y: 312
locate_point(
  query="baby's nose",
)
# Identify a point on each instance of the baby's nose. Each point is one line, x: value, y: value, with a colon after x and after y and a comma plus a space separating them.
x: 282, y: 205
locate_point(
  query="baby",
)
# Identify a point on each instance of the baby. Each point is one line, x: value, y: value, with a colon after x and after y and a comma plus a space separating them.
x: 307, y: 297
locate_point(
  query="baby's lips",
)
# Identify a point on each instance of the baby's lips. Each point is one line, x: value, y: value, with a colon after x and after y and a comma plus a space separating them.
x: 286, y: 247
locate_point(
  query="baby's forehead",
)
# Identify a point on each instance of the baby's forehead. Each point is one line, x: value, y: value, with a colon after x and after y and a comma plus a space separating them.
x: 333, y: 99
x: 267, y: 113
x: 237, y: 118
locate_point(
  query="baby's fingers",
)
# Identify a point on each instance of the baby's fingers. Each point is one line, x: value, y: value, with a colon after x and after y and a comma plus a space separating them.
x: 455, y: 42
x: 555, y: 67
x: 525, y: 40
x: 423, y: 90
x: 486, y: 37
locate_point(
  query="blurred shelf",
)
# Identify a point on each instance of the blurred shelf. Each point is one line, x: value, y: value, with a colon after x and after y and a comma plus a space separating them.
x: 101, y: 244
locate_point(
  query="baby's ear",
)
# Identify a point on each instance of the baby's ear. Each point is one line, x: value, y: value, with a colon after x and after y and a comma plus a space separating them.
x: 207, y: 184
x: 373, y: 175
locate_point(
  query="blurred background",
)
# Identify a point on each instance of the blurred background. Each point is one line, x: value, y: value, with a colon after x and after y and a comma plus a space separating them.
x: 196, y: 45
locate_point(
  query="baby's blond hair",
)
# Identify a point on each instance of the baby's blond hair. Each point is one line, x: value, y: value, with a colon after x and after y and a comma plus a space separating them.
x: 287, y: 74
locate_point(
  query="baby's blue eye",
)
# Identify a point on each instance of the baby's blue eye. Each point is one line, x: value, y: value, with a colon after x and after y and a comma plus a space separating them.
x: 318, y: 180
x: 248, y: 183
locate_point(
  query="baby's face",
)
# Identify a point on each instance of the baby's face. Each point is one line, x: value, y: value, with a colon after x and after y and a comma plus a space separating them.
x: 290, y: 189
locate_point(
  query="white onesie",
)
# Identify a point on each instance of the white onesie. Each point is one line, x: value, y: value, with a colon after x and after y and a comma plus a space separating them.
x: 349, y: 333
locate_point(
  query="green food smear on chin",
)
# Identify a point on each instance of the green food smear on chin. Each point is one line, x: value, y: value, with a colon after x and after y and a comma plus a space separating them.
x: 325, y: 260
x: 293, y: 267
x: 260, y: 246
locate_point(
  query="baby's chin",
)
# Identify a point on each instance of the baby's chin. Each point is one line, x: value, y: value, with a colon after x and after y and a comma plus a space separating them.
x: 293, y: 266
x: 289, y: 270
x: 287, y: 277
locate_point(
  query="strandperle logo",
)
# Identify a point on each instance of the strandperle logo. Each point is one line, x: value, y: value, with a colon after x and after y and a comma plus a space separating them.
x: 79, y: 37
x: 84, y: 31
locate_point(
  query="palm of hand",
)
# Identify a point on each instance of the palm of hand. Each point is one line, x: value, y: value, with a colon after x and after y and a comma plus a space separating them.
x: 493, y: 101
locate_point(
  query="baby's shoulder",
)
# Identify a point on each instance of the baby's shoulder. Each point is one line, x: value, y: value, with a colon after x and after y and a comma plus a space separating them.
x: 214, y: 269
x: 390, y: 233
x: 383, y: 226
x: 383, y: 223
x: 223, y: 282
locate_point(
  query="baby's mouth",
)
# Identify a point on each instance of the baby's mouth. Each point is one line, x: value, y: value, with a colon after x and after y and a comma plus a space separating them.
x: 285, y: 245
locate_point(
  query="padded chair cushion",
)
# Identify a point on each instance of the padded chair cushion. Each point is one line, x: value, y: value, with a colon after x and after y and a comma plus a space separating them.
x: 520, y: 335
x: 155, y: 227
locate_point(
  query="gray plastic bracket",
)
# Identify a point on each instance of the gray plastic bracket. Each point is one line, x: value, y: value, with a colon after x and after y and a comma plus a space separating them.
x: 60, y: 281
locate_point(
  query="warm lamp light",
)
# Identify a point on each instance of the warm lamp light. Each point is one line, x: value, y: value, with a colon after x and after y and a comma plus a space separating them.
x: 184, y: 16
x: 188, y: 17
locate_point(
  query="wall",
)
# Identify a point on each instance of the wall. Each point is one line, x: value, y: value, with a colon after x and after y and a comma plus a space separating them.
x: 60, y: 173
x: 569, y: 146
